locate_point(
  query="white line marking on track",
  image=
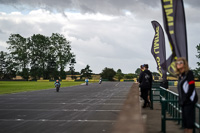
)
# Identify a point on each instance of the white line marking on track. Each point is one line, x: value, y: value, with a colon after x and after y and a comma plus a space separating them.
x: 61, y: 110
x: 46, y: 120
x: 117, y: 84
x: 66, y: 103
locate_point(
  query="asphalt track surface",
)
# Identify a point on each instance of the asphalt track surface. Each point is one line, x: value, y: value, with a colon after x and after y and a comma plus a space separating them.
x: 78, y: 109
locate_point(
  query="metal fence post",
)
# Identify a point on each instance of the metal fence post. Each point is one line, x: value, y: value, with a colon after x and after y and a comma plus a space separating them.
x: 151, y: 97
x: 163, y: 119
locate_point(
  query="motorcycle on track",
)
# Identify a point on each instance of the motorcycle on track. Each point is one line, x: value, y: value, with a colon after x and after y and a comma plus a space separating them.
x: 57, y: 85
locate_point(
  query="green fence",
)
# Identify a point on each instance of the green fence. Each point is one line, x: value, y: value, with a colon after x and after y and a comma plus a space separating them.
x: 169, y: 104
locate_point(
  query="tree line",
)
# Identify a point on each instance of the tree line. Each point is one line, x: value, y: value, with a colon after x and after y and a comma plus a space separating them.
x: 109, y: 74
x: 48, y: 56
x: 36, y: 56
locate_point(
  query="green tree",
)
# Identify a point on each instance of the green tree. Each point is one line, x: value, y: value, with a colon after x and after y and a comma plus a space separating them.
x: 137, y: 71
x: 71, y: 68
x: 8, y: 67
x: 119, y: 75
x: 196, y: 73
x: 198, y: 56
x: 19, y: 50
x: 108, y: 73
x: 39, y: 47
x: 45, y: 56
x: 63, y: 52
x: 86, y: 72
x: 2, y: 63
x: 197, y: 70
x: 130, y: 76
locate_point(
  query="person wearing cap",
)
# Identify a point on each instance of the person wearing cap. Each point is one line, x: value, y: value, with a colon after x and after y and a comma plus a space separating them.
x: 86, y: 81
x: 145, y: 81
x: 57, y: 82
x: 187, y: 94
x: 141, y: 68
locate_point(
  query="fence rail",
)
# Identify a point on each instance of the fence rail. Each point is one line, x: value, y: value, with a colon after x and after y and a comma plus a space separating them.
x: 169, y: 104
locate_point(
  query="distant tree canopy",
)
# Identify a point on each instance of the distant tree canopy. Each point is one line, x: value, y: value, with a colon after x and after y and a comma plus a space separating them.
x: 39, y: 56
x: 86, y: 72
x: 137, y: 71
x: 119, y: 75
x: 130, y: 76
x: 8, y: 67
x: 108, y: 73
x: 197, y: 70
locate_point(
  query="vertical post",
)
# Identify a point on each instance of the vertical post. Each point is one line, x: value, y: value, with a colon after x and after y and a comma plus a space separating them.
x: 170, y: 105
x: 199, y: 116
x: 194, y: 129
x: 176, y: 108
x: 179, y: 112
x: 151, y: 98
x: 167, y: 97
x: 160, y: 94
x: 179, y: 115
x: 181, y: 118
x: 163, y: 118
x: 173, y: 104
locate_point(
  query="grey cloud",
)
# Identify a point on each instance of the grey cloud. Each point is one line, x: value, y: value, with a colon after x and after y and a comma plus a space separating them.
x: 114, y: 7
x: 1, y: 32
x: 193, y: 3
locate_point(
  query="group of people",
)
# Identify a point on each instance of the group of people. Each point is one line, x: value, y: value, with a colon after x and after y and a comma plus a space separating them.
x: 145, y: 80
x: 186, y: 89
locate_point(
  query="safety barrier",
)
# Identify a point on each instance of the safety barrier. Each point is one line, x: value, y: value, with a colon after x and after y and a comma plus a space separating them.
x: 153, y: 95
x: 169, y: 104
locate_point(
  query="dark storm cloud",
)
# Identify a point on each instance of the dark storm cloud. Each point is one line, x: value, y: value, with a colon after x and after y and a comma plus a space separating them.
x: 114, y: 7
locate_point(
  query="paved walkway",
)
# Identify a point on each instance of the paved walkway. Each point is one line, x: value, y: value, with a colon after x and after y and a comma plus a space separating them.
x: 153, y: 121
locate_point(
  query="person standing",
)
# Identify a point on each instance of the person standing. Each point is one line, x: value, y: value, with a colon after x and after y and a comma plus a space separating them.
x: 86, y: 81
x: 187, y: 93
x: 145, y: 81
x: 141, y: 68
x: 100, y: 80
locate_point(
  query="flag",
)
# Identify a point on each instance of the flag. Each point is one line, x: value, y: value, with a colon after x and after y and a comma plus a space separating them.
x: 175, y: 27
x: 158, y: 49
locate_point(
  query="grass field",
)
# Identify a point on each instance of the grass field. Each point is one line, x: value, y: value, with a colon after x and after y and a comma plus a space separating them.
x: 7, y: 87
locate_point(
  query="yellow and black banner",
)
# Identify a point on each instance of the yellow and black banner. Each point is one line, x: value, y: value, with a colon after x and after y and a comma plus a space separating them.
x: 158, y: 49
x: 175, y: 27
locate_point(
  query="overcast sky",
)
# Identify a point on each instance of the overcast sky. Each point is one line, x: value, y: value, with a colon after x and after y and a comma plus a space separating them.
x: 103, y: 33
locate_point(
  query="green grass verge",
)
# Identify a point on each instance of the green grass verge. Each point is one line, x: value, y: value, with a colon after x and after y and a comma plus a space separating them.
x: 7, y: 87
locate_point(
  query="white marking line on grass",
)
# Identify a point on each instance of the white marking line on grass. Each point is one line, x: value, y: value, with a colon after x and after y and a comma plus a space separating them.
x: 61, y: 110
x: 46, y: 120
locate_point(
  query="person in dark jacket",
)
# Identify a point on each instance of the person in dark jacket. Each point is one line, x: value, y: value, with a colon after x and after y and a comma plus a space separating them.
x: 145, y: 81
x: 187, y: 94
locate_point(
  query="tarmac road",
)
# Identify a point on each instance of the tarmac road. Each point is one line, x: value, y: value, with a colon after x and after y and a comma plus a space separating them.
x: 78, y: 109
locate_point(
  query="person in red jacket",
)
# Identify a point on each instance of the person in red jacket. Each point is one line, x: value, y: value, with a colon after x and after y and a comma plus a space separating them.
x: 187, y: 94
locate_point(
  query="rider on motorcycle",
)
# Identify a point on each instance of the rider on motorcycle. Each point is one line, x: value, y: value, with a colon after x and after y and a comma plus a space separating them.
x: 57, y: 82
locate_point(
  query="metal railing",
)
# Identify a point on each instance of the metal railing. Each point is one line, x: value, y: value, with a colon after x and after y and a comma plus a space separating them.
x: 169, y: 104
